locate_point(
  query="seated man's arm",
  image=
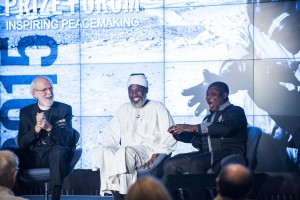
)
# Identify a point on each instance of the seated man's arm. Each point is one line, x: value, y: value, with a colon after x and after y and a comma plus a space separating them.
x: 183, y: 132
x: 162, y: 140
x: 26, y: 135
x: 234, y: 120
x: 112, y: 132
x: 62, y: 130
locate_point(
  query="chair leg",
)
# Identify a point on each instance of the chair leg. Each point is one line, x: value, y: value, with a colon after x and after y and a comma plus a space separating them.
x: 46, y: 197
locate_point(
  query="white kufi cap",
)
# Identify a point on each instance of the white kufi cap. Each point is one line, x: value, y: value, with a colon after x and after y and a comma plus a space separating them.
x: 138, y: 79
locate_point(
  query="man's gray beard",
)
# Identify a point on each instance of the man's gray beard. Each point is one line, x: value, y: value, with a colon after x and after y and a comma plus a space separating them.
x: 48, y: 104
x: 139, y: 104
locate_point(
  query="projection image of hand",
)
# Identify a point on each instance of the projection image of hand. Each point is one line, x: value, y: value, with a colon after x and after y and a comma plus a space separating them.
x: 272, y: 84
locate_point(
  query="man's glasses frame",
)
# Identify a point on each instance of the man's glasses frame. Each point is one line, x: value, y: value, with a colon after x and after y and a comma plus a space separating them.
x: 50, y: 89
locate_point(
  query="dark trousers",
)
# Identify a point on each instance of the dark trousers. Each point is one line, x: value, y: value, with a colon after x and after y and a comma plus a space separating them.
x: 193, y: 163
x: 54, y: 158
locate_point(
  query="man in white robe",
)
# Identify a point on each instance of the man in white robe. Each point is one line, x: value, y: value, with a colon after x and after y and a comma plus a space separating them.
x: 135, y: 136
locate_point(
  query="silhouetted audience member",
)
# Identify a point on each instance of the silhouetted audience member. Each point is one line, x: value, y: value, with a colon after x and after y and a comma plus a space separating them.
x: 148, y: 188
x: 8, y: 174
x: 234, y: 183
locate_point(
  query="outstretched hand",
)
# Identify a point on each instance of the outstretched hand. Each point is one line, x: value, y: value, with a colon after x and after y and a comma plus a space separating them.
x: 199, y: 97
x: 179, y: 128
x: 150, y: 162
x: 198, y: 92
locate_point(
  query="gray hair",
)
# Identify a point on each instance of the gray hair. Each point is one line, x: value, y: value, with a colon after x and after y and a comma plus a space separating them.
x: 8, y: 165
x: 33, y: 83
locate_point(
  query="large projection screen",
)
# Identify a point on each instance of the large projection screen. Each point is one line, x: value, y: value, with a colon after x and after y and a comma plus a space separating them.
x: 90, y: 47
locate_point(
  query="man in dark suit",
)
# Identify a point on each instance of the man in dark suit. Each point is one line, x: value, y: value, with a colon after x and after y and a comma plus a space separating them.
x: 45, y: 137
x: 222, y: 132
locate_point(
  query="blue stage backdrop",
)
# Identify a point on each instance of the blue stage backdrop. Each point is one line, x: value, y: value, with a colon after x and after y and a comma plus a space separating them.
x: 90, y: 47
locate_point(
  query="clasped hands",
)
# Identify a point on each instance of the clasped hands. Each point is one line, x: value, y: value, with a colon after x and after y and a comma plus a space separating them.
x: 42, y: 123
x: 179, y: 128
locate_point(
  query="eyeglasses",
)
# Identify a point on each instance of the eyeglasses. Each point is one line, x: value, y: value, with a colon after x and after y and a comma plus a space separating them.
x: 45, y: 90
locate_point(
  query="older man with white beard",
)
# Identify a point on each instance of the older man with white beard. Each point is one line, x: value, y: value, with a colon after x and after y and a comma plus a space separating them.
x: 45, y: 136
x: 135, y: 136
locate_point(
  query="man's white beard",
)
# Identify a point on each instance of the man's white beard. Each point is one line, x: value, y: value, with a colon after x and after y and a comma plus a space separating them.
x: 140, y: 103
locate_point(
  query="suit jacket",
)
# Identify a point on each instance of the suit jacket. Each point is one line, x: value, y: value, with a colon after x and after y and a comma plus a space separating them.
x: 60, y: 117
x: 230, y: 133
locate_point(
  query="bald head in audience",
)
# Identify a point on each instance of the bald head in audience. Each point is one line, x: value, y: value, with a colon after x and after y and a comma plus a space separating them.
x: 234, y: 182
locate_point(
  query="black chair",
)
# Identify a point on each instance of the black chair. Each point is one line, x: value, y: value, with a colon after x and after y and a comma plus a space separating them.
x: 43, y: 174
x: 156, y: 169
x: 203, y: 186
x: 254, y: 135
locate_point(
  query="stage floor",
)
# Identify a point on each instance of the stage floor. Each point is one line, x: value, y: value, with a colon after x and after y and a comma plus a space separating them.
x: 70, y: 197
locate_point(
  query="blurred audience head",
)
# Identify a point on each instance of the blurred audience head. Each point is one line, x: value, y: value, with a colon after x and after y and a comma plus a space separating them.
x: 8, y: 168
x: 147, y: 188
x: 234, y: 182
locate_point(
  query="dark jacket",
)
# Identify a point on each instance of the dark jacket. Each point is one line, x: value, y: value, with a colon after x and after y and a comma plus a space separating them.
x: 59, y: 116
x: 227, y: 131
